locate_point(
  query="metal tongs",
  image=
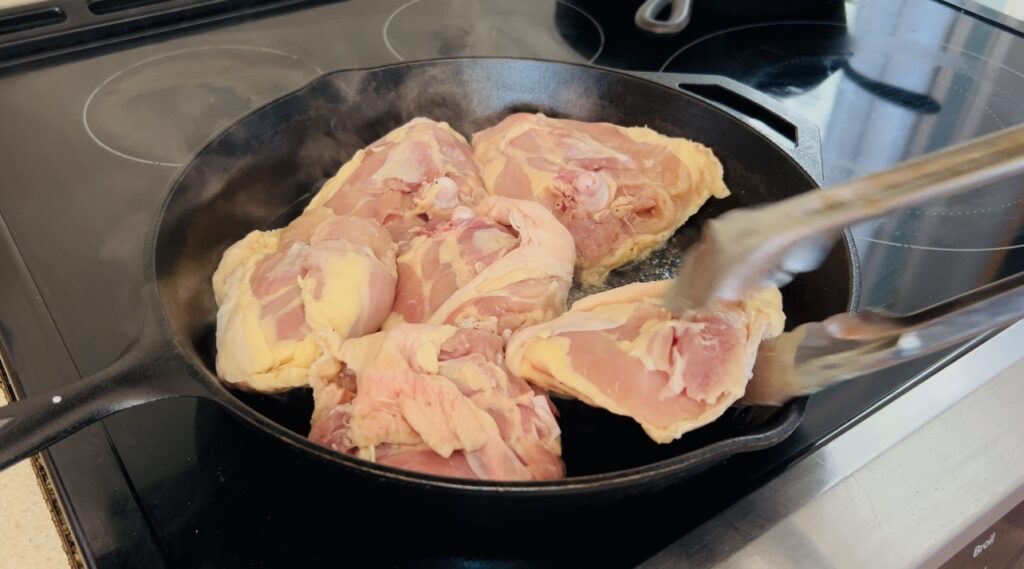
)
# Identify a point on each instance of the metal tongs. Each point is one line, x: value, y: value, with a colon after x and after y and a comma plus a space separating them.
x: 745, y: 248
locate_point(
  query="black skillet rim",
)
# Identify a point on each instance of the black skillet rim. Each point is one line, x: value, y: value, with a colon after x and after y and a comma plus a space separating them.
x: 785, y: 420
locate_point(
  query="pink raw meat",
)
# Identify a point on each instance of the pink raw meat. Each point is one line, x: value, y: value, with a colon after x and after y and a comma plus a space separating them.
x: 527, y: 285
x: 621, y: 191
x: 623, y: 351
x: 437, y: 400
x: 281, y: 294
x: 415, y: 175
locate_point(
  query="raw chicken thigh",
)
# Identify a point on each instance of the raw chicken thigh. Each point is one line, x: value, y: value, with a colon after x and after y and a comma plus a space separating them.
x: 622, y: 192
x: 465, y: 255
x: 437, y: 400
x: 416, y: 174
x: 505, y: 265
x: 622, y: 351
x: 438, y: 261
x: 281, y: 294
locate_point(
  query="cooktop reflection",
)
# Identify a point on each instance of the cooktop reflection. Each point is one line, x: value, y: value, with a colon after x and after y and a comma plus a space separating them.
x: 555, y: 29
x: 880, y: 97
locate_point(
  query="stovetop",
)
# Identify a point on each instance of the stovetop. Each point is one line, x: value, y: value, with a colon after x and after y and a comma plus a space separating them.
x: 90, y: 139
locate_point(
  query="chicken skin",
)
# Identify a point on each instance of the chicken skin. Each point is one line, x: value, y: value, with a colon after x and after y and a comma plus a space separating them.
x: 621, y: 192
x: 281, y: 293
x: 414, y: 176
x: 506, y: 264
x: 621, y: 350
x: 437, y: 400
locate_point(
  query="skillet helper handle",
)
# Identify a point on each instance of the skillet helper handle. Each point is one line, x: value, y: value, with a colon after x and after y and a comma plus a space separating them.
x: 28, y: 426
x: 746, y: 248
x: 794, y: 133
x: 846, y: 346
x: 679, y: 17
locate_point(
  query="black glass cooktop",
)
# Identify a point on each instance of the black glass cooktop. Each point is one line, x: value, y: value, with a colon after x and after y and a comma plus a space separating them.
x: 90, y: 138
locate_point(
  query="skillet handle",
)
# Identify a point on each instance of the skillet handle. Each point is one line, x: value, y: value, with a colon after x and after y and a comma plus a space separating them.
x: 795, y: 134
x: 148, y: 371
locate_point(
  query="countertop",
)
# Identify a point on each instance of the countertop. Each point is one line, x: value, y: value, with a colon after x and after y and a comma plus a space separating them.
x: 29, y: 537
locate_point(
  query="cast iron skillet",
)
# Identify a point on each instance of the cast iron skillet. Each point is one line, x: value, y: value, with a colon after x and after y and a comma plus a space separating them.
x: 259, y: 173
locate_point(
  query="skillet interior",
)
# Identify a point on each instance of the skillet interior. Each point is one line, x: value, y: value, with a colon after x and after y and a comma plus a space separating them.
x: 261, y: 171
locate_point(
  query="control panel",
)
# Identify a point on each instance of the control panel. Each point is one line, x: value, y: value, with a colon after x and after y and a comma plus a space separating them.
x: 1001, y: 546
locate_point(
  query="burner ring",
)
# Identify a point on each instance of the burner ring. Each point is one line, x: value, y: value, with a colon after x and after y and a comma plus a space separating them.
x: 441, y: 33
x: 139, y: 115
